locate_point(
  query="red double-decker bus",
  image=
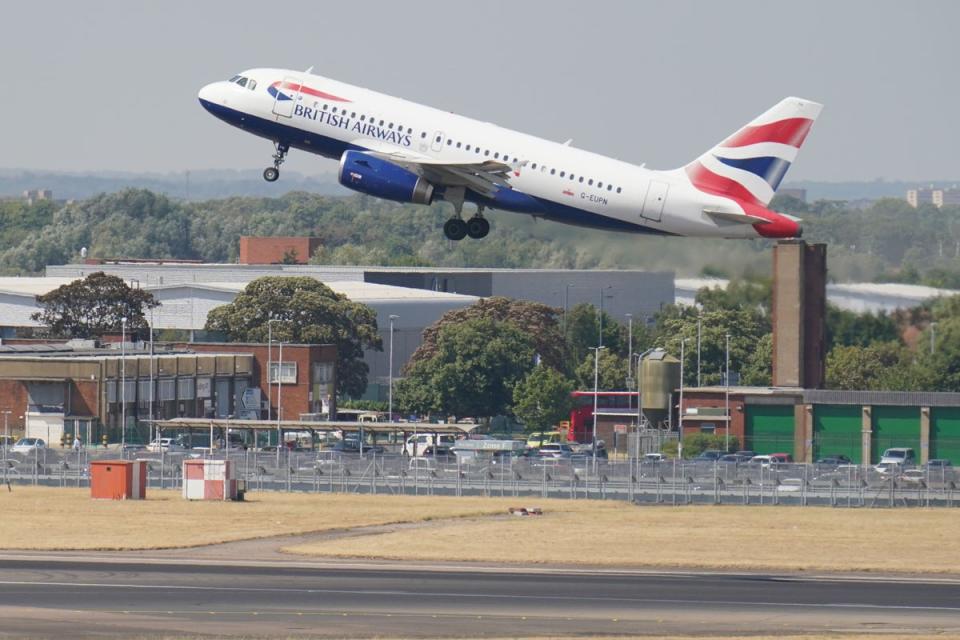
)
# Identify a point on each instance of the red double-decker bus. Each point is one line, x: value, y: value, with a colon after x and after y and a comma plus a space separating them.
x: 609, y: 403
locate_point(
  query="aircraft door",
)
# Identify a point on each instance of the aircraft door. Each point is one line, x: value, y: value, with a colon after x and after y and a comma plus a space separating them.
x: 656, y: 198
x: 437, y: 143
x: 286, y: 97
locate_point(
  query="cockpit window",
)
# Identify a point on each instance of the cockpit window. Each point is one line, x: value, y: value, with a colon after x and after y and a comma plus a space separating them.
x: 252, y: 84
x: 242, y: 82
x: 234, y: 78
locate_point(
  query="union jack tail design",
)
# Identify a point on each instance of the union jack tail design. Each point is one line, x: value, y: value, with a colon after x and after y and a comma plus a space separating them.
x: 749, y: 165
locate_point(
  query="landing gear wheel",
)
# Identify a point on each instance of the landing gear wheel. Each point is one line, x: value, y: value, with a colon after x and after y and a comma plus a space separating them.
x: 270, y: 174
x: 478, y: 228
x: 455, y: 229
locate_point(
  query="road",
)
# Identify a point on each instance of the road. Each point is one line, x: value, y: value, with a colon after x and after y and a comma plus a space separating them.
x: 71, y: 596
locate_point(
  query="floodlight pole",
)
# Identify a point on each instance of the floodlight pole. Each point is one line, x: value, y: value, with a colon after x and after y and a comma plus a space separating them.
x: 123, y: 386
x: 596, y: 393
x: 726, y: 376
x: 683, y: 343
x: 390, y: 365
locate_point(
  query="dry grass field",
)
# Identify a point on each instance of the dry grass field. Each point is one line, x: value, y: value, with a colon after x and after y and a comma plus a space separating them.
x: 608, y: 533
x: 620, y: 535
x: 49, y: 518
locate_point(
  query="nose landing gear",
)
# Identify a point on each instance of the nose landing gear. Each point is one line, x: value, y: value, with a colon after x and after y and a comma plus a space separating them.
x: 270, y: 174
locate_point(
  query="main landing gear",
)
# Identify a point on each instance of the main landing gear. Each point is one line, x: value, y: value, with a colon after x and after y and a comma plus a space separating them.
x: 270, y: 174
x: 456, y: 228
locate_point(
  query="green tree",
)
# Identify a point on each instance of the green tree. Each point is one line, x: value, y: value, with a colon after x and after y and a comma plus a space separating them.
x: 757, y: 370
x: 93, y: 306
x: 542, y: 399
x: 537, y: 321
x: 611, y: 372
x: 880, y: 366
x: 475, y: 366
x: 305, y: 311
x: 846, y: 328
x: 746, y: 327
x: 583, y: 331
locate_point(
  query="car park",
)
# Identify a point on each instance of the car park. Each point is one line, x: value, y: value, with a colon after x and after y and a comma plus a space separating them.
x: 418, y: 443
x: 28, y: 445
x: 164, y: 444
x: 710, y: 455
x: 352, y: 447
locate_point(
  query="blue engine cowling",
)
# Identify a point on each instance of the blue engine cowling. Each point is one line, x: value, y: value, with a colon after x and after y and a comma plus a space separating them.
x: 371, y: 175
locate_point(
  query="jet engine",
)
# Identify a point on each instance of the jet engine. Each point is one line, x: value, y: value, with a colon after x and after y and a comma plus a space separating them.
x: 376, y: 177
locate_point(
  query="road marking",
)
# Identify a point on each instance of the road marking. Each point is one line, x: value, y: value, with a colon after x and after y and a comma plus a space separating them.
x: 476, y: 596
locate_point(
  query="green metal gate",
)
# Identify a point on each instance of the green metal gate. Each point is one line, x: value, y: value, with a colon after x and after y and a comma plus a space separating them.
x: 837, y: 431
x: 769, y: 428
x: 945, y: 433
x: 895, y: 427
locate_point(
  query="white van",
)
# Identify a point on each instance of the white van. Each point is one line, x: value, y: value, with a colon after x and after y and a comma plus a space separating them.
x: 900, y: 455
x: 418, y: 443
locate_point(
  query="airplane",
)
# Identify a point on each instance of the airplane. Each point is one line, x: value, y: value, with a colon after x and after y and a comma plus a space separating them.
x: 406, y: 152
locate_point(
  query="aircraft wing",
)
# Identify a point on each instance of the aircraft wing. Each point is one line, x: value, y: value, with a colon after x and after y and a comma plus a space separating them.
x: 484, y: 178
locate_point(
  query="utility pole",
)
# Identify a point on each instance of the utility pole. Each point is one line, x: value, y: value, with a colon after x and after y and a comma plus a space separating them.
x: 123, y: 386
x: 683, y: 344
x: 596, y: 384
x: 726, y: 376
x: 390, y: 364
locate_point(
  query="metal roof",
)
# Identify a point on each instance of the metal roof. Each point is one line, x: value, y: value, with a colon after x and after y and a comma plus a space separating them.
x: 298, y: 425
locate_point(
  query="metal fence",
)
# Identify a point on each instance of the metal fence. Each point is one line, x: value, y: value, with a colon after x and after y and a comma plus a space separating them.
x: 668, y: 482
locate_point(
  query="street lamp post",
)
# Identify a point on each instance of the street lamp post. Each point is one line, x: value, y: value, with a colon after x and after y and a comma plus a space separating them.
x: 150, y: 412
x: 596, y: 385
x: 566, y: 307
x: 123, y: 386
x: 698, y: 348
x: 6, y: 442
x: 933, y: 337
x: 726, y: 376
x: 683, y: 343
x: 602, y: 296
x: 279, y: 412
x: 629, y: 345
x: 390, y: 365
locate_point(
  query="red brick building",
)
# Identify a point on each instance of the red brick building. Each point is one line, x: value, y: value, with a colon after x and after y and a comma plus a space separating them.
x: 277, y: 250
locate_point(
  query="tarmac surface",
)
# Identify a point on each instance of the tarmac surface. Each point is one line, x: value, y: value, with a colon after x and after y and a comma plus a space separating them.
x: 144, y: 595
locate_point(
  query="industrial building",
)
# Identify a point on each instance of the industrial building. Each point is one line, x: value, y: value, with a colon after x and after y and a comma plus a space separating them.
x: 52, y: 389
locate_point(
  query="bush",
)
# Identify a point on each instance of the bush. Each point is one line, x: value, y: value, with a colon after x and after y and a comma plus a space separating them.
x: 696, y: 443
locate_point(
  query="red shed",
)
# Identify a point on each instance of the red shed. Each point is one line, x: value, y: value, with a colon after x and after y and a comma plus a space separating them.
x: 118, y: 479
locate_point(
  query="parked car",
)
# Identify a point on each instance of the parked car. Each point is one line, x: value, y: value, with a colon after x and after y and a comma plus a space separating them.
x: 28, y: 445
x: 165, y: 444
x: 887, y: 469
x: 710, y: 455
x: 765, y: 461
x: 537, y: 440
x: 7, y: 441
x: 913, y: 476
x: 745, y: 455
x: 730, y: 458
x: 352, y: 447
x: 834, y: 460
x: 419, y: 443
x: 653, y: 457
x: 782, y: 458
x: 555, y: 450
x: 939, y: 463
x: 900, y: 455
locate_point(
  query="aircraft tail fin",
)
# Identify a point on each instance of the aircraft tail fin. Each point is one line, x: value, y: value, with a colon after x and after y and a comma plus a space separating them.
x: 749, y: 165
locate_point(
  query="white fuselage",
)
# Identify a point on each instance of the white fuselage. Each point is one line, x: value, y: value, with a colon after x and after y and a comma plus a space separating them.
x: 566, y: 184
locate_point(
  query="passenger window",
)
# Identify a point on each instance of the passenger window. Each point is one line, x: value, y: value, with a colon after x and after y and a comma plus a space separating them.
x: 590, y: 182
x: 242, y: 82
x: 581, y: 179
x: 325, y: 107
x: 487, y: 152
x: 533, y: 166
x: 334, y: 110
x: 618, y: 189
x: 571, y: 176
x: 438, y: 138
x: 496, y: 155
x: 609, y: 187
x: 353, y: 114
x: 458, y: 145
x: 599, y: 185
x: 362, y: 118
x: 562, y: 174
x: 409, y: 131
x: 381, y: 123
x: 467, y: 147
x: 390, y: 126
x: 423, y: 135
x: 252, y: 84
x: 449, y: 141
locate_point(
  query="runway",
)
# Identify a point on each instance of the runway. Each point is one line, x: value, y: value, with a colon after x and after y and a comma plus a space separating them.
x: 57, y: 597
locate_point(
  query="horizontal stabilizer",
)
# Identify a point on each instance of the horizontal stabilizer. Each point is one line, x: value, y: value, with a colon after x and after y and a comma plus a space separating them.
x: 738, y: 218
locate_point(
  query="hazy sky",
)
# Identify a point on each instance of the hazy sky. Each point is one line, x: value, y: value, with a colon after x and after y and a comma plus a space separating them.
x: 112, y: 85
